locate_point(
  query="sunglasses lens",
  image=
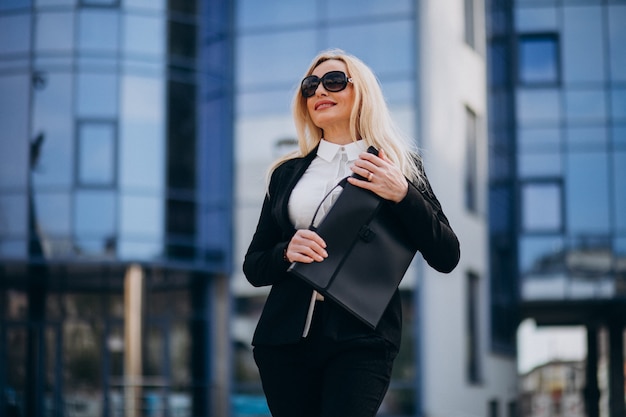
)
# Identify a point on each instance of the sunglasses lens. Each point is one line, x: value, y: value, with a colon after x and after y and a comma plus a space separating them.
x: 309, y: 85
x: 335, y: 81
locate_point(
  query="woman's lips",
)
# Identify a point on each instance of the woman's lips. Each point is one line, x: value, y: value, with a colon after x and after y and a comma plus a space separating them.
x: 323, y: 104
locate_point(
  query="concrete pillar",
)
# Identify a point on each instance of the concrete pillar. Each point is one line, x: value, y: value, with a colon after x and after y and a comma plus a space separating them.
x: 133, y: 314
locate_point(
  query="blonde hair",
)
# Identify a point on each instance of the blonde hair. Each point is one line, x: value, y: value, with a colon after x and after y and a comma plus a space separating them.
x: 370, y: 119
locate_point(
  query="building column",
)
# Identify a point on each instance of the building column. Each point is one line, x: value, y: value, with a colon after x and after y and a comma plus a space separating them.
x: 616, y: 370
x: 133, y: 314
x: 591, y: 390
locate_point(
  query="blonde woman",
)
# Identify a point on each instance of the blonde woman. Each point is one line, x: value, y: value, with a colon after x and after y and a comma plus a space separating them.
x: 315, y: 358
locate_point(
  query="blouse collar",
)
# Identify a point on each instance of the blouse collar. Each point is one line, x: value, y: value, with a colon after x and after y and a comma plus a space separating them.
x: 328, y: 150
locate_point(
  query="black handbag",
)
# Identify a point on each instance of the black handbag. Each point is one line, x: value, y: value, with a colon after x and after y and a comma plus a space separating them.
x: 368, y: 255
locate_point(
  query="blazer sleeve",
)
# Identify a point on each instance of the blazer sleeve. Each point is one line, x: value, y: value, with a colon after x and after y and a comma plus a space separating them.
x: 421, y: 213
x: 264, y: 262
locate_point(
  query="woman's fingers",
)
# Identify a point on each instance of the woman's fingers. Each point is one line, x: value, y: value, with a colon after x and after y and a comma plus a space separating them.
x: 306, y: 246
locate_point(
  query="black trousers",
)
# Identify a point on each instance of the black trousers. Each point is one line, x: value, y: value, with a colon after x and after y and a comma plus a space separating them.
x: 321, y: 377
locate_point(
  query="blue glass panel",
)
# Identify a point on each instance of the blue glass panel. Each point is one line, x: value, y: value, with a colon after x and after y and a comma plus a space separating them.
x: 536, y: 19
x: 53, y: 117
x: 539, y: 164
x: 15, y: 33
x: 257, y: 64
x: 619, y: 190
x: 386, y: 47
x: 96, y: 154
x: 13, y: 248
x: 539, y: 139
x: 54, y: 32
x: 538, y: 61
x: 587, y: 193
x: 398, y: 92
x: 53, y: 211
x: 13, y: 4
x: 500, y: 201
x: 133, y: 250
x: 55, y: 2
x: 272, y: 13
x: 99, y: 2
x: 141, y: 217
x: 538, y: 106
x: 540, y: 254
x: 585, y: 105
x: 618, y: 103
x: 97, y: 95
x: 144, y: 35
x: 255, y: 103
x: 586, y: 138
x: 617, y: 41
x: 541, y: 207
x: 341, y: 10
x: 142, y: 133
x: 13, y: 215
x: 98, y: 30
x: 619, y: 136
x: 145, y: 4
x: 95, y: 214
x: 14, y: 136
x: 583, y: 48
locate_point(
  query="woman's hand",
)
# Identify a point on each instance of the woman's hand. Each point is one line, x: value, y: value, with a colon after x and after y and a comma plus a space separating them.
x: 381, y: 176
x: 306, y: 246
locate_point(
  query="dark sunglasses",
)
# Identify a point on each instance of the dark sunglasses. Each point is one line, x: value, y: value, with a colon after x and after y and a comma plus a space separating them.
x: 332, y: 81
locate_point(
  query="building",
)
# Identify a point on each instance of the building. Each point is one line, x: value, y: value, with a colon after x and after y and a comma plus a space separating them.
x: 553, y: 390
x: 134, y: 139
x: 557, y: 132
x: 115, y: 207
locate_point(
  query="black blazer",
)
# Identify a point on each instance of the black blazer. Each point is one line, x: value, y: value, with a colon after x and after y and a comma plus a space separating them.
x: 284, y: 315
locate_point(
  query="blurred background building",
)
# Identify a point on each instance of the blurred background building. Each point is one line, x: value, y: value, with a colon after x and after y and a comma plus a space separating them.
x: 557, y: 130
x: 134, y: 139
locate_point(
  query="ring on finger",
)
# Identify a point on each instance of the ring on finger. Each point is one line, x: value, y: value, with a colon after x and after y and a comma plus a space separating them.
x: 370, y: 176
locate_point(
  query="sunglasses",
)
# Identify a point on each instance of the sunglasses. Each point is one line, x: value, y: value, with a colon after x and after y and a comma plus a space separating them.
x: 332, y: 81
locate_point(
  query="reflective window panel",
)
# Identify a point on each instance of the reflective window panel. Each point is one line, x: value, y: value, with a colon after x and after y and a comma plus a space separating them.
x: 96, y: 153
x: 256, y: 14
x: 54, y: 32
x: 15, y: 32
x: 14, y: 136
x: 97, y: 95
x: 617, y: 47
x: 542, y: 207
x: 587, y: 193
x: 538, y: 59
x: 619, y: 190
x: 587, y: 105
x: 583, y: 44
x: 98, y: 30
x: 53, y: 109
x: 538, y: 106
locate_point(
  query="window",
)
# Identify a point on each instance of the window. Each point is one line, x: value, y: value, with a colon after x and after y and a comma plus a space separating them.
x: 542, y: 207
x: 473, y: 329
x: 493, y: 407
x: 470, y: 24
x: 96, y: 154
x: 471, y: 162
x: 538, y: 59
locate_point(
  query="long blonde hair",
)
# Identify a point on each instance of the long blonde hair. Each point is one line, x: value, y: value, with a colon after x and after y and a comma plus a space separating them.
x: 370, y: 119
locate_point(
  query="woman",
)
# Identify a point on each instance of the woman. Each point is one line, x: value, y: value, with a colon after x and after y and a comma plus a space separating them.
x: 314, y: 358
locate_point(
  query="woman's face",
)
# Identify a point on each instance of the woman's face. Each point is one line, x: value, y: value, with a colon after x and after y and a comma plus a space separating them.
x: 329, y: 110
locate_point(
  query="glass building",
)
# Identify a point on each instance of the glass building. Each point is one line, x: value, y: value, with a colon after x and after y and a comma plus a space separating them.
x: 558, y: 181
x: 115, y: 206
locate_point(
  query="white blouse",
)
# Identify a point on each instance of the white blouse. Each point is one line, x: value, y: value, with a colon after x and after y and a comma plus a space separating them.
x: 331, y: 164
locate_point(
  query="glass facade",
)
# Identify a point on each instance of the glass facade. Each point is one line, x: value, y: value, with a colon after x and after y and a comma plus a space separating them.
x: 556, y: 144
x: 115, y: 150
x: 567, y: 149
